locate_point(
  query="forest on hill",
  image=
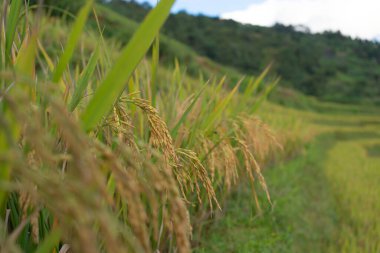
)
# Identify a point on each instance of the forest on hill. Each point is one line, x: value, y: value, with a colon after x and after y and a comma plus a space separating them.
x: 328, y: 65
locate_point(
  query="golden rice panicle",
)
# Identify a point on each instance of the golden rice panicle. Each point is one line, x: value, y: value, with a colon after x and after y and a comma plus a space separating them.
x: 83, y: 158
x: 121, y: 125
x: 196, y: 172
x: 258, y: 136
x: 78, y: 208
x: 220, y: 156
x: 207, y: 145
x: 264, y: 134
x: 128, y: 170
x: 160, y: 136
x: 267, y: 131
x: 248, y: 166
x: 252, y: 165
x: 136, y: 176
x: 130, y: 191
x: 228, y: 163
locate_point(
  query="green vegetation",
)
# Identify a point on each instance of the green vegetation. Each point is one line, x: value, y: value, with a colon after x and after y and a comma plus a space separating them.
x: 298, y: 221
x: 116, y: 138
x: 103, y: 150
x: 326, y: 200
x: 328, y: 65
x: 356, y: 188
x: 121, y: 28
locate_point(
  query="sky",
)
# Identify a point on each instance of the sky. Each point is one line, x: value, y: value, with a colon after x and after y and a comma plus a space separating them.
x: 209, y: 7
x: 356, y: 18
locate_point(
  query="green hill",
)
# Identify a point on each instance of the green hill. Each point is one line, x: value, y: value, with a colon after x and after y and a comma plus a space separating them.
x: 121, y: 28
x: 329, y: 65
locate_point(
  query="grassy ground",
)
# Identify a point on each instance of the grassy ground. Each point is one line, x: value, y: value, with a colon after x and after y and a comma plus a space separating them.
x: 325, y: 200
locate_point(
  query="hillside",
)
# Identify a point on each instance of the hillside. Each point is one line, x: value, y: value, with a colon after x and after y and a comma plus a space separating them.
x: 172, y: 52
x: 121, y: 28
x: 114, y: 24
x: 328, y: 65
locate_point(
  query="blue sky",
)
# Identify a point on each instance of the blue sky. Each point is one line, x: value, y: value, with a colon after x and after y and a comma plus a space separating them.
x: 209, y: 7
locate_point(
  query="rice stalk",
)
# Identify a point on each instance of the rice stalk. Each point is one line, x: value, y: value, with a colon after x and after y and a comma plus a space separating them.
x: 124, y: 186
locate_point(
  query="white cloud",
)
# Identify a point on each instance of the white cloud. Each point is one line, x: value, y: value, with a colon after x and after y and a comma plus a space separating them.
x: 357, y: 18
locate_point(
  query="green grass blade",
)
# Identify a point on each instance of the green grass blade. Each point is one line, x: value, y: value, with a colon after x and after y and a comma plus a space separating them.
x: 11, y: 27
x: 254, y: 85
x: 72, y: 41
x: 84, y: 80
x: 25, y: 62
x: 155, y: 62
x: 5, y: 171
x: 113, y: 85
x: 174, y: 132
x: 264, y: 96
x: 50, y: 242
x: 105, y: 53
x: 219, y: 108
x: 219, y: 87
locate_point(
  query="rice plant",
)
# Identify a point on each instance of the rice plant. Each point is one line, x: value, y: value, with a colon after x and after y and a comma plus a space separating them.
x: 104, y: 150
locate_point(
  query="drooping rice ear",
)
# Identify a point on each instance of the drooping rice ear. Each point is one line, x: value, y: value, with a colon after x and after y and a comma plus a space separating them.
x: 160, y: 136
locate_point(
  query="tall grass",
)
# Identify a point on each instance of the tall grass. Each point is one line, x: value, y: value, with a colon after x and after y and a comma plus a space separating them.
x: 105, y: 151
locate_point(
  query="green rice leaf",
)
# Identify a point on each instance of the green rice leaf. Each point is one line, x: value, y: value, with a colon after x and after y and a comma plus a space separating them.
x: 263, y: 96
x: 174, y: 132
x: 155, y: 62
x: 50, y: 242
x: 84, y: 80
x: 114, y: 83
x: 5, y: 171
x: 10, y: 31
x: 25, y: 62
x: 219, y: 108
x: 255, y: 83
x: 72, y: 41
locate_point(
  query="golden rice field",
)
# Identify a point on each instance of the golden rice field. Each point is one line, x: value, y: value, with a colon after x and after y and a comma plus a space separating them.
x: 103, y: 149
x: 352, y: 168
x: 326, y: 199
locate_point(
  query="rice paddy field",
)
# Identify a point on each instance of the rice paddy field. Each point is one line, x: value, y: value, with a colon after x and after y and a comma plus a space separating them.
x: 105, y: 149
x: 326, y: 198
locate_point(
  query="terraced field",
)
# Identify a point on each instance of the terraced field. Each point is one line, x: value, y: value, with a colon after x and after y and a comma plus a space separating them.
x: 327, y: 199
